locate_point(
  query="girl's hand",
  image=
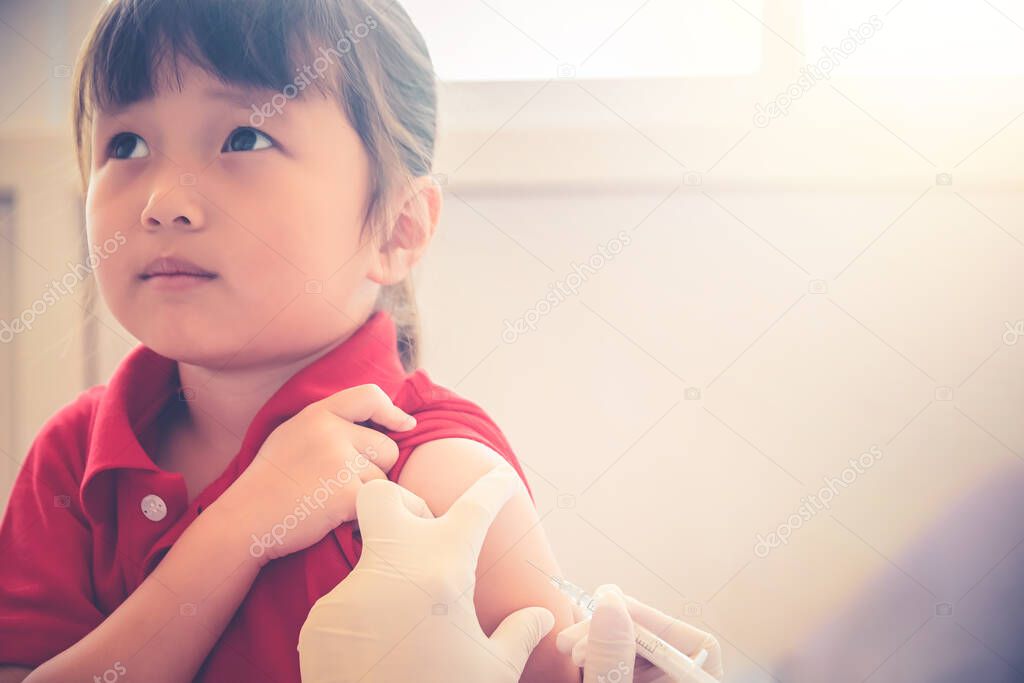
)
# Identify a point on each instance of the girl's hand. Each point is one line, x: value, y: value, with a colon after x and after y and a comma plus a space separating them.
x: 304, y: 479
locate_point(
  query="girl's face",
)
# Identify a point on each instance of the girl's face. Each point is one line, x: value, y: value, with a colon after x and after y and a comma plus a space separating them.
x: 274, y: 213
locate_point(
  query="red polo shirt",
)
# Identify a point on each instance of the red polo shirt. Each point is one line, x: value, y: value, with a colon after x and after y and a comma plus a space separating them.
x: 90, y: 515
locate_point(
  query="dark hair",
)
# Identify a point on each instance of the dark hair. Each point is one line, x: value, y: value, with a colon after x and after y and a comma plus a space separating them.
x: 380, y: 73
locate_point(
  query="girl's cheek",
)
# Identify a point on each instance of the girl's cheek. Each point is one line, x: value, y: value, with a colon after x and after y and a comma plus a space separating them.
x: 110, y: 232
x: 234, y: 172
x: 99, y: 204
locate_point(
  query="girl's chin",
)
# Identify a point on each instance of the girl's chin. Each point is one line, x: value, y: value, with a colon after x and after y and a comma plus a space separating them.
x: 208, y: 351
x: 187, y: 351
x: 195, y: 344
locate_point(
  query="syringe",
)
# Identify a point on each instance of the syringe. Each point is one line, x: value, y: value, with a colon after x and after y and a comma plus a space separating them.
x: 649, y: 646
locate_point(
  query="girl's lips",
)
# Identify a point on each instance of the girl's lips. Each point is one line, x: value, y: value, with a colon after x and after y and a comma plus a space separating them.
x: 173, y: 266
x: 177, y: 281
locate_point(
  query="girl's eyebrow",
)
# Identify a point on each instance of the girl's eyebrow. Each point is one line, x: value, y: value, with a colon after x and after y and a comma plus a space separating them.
x: 241, y: 98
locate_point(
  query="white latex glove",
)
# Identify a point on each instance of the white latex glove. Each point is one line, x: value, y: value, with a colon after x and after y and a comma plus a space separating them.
x: 406, y: 611
x: 605, y: 645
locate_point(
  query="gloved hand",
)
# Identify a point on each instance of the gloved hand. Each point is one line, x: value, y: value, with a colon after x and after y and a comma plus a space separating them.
x: 406, y: 611
x: 605, y: 645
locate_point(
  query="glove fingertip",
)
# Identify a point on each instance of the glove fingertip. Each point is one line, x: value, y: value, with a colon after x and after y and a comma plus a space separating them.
x: 612, y: 616
x: 609, y: 588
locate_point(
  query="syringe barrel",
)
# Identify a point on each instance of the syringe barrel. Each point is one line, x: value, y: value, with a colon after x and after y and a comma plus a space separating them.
x: 661, y: 654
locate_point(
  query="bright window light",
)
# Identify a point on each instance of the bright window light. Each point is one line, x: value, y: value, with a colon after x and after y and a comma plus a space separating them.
x: 502, y: 40
x: 919, y: 37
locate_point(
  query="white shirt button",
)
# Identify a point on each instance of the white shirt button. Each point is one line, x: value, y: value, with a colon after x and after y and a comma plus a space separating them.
x: 154, y: 507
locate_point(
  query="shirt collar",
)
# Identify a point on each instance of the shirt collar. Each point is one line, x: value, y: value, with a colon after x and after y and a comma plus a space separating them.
x: 144, y: 381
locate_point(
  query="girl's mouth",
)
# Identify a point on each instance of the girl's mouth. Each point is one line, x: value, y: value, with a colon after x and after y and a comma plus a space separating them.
x: 175, y: 273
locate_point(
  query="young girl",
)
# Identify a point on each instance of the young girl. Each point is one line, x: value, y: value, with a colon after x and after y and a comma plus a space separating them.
x: 264, y: 168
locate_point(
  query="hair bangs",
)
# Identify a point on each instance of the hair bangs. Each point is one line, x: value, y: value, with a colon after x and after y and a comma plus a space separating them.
x: 140, y: 44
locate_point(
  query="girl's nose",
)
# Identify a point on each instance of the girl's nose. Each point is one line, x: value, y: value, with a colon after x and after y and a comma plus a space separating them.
x: 175, y: 208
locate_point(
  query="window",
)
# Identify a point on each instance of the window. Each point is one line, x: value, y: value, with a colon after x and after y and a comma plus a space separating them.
x: 920, y: 37
x: 505, y: 40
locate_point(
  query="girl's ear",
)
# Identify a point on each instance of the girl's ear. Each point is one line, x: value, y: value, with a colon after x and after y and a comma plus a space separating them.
x: 411, y: 234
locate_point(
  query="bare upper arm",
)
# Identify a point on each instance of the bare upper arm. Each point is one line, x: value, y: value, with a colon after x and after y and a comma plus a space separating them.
x: 439, y: 472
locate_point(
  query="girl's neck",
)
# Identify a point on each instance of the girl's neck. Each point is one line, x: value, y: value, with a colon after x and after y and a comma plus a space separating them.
x: 220, y: 403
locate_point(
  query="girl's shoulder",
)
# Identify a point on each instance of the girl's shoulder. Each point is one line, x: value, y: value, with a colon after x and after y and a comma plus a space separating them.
x: 75, y: 416
x: 420, y: 392
x: 442, y: 413
x: 422, y: 397
x: 63, y: 440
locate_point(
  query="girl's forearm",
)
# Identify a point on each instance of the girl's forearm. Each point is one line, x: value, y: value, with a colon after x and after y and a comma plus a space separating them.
x: 165, y: 629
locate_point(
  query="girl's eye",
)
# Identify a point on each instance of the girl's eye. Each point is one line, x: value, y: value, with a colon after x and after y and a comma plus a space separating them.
x: 246, y: 140
x: 128, y: 146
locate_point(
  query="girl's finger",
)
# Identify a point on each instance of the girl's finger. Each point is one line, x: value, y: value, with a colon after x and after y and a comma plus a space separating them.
x: 368, y: 402
x: 375, y: 447
x: 371, y: 472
